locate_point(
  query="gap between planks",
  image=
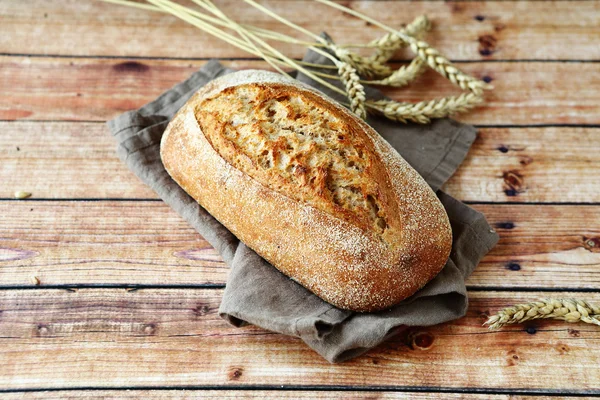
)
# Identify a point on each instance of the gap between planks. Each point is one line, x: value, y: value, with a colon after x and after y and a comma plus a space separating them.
x: 291, y: 392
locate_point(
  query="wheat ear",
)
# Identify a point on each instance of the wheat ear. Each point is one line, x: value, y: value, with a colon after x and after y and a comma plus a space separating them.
x: 445, y: 68
x: 403, y: 75
x: 362, y: 65
x: 354, y: 90
x: 569, y: 310
x: 388, y: 44
x: 424, y: 111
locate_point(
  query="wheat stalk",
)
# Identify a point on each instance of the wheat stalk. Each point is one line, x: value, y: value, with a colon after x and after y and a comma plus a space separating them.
x: 355, y: 91
x: 569, y: 310
x: 424, y: 111
x: 402, y: 76
x: 350, y: 66
x: 388, y: 44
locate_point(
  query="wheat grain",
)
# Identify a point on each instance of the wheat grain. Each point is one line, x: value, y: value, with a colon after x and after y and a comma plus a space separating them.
x: 388, y: 44
x: 403, y: 75
x: 20, y: 195
x: 424, y: 111
x: 364, y: 66
x: 569, y: 310
x: 444, y: 67
x: 355, y: 91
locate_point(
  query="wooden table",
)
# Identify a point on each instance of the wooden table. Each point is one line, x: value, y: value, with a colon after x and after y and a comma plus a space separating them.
x: 105, y: 291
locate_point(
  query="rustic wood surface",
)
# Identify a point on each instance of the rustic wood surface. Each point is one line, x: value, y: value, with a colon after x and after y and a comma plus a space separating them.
x: 106, y: 292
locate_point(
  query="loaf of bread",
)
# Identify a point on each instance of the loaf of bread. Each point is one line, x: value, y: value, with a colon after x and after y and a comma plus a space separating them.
x: 310, y: 187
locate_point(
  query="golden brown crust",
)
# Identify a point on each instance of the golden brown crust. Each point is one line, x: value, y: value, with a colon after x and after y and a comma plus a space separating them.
x: 330, y: 250
x: 291, y: 142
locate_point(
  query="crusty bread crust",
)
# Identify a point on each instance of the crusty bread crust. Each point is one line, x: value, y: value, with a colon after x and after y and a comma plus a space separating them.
x: 330, y: 254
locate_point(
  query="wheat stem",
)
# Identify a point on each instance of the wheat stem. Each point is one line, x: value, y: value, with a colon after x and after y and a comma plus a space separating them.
x: 349, y: 65
x: 209, y: 6
x: 569, y: 310
x: 281, y: 59
x: 259, y: 31
x: 285, y: 21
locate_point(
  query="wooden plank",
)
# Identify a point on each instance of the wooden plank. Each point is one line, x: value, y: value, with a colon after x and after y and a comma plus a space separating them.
x: 530, y: 165
x: 114, y: 338
x: 128, y: 243
x: 464, y: 31
x: 184, y: 394
x: 66, y: 160
x: 102, y: 243
x: 99, y: 89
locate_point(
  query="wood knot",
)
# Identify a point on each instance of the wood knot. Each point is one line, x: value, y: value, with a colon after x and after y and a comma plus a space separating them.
x: 201, y: 310
x: 479, y: 18
x: 514, y: 182
x: 235, y: 373
x: 422, y: 340
x: 525, y: 160
x: 149, y: 329
x: 574, y: 332
x: 42, y: 330
x: 504, y: 225
x: 487, y: 44
x: 512, y: 358
x: 562, y: 348
x: 455, y: 7
x: 592, y: 244
x: 130, y: 66
x: 513, y: 266
x: 531, y: 330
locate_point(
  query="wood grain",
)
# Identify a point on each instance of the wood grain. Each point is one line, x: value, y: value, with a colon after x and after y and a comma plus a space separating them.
x: 130, y: 242
x: 66, y: 160
x: 462, y: 30
x: 184, y: 394
x: 530, y: 165
x: 91, y: 89
x: 111, y: 338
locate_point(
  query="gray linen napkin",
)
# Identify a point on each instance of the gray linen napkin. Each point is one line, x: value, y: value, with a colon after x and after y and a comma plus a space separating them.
x: 257, y: 293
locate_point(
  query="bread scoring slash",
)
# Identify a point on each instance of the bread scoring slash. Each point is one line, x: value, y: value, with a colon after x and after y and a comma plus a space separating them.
x: 310, y: 187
